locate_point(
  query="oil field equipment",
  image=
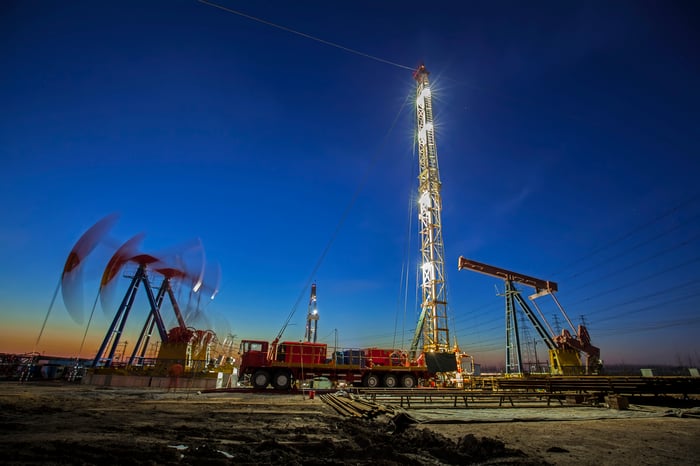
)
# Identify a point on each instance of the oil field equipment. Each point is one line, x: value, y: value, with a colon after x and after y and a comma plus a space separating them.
x: 564, y: 349
x: 181, y: 343
x: 430, y: 354
x: 312, y: 318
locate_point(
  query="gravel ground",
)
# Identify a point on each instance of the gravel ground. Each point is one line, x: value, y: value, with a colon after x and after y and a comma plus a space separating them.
x: 53, y: 423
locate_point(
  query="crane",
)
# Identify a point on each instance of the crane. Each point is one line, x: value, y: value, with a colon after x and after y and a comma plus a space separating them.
x: 564, y: 349
x: 432, y: 326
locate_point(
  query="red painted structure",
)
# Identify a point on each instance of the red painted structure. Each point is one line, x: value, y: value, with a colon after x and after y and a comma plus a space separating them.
x: 281, y: 364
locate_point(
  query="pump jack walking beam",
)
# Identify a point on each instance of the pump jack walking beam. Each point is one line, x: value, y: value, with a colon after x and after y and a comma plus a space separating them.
x: 536, y: 283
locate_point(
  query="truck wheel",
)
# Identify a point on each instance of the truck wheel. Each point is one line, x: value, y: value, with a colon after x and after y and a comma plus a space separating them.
x: 390, y: 381
x: 408, y: 381
x: 371, y: 381
x: 282, y: 380
x: 261, y: 379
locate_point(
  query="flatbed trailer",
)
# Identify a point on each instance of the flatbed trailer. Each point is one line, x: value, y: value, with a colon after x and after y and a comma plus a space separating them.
x: 282, y: 365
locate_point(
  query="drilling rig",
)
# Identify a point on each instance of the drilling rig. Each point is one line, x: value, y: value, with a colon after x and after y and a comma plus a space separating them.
x: 280, y: 363
x: 312, y: 318
x: 432, y: 328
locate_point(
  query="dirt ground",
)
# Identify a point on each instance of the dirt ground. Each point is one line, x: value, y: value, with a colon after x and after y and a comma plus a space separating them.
x: 54, y: 423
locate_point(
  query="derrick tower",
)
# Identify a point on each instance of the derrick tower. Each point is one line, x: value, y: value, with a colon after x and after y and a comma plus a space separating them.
x: 312, y: 318
x: 432, y: 324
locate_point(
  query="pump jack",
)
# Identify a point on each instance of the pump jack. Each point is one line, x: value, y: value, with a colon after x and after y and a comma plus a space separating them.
x: 564, y: 349
x: 154, y: 319
x: 175, y: 344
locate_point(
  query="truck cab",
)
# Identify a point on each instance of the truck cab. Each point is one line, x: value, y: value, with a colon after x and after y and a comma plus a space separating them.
x: 253, y: 353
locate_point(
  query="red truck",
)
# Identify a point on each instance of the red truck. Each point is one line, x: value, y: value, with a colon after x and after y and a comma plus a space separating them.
x: 282, y: 364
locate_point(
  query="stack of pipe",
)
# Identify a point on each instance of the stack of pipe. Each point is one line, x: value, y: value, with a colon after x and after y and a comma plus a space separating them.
x: 355, y: 407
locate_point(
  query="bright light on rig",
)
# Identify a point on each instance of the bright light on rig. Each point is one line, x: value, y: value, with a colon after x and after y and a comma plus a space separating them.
x: 428, y: 269
x: 424, y: 200
x: 425, y: 92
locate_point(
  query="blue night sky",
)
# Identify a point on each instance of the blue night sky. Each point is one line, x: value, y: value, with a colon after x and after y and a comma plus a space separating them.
x: 567, y: 134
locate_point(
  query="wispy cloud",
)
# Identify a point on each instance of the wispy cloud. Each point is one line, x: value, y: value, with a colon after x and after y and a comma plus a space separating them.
x: 512, y: 203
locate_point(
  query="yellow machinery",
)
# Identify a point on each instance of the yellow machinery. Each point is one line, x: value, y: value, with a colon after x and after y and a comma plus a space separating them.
x: 564, y: 349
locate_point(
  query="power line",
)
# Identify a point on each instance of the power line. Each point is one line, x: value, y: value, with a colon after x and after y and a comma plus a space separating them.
x: 651, y: 326
x: 651, y: 306
x: 636, y: 246
x: 634, y: 230
x: 345, y: 214
x: 645, y: 297
x: 647, y: 259
x: 307, y: 36
x: 579, y: 260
